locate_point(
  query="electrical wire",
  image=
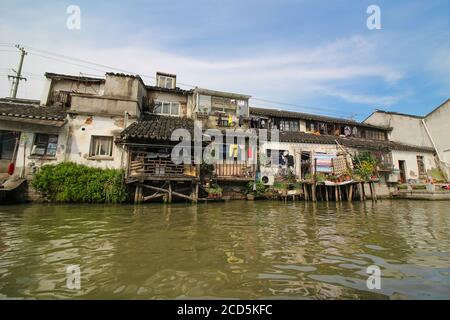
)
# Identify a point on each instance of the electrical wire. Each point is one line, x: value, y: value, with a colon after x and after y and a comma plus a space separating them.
x: 105, y: 68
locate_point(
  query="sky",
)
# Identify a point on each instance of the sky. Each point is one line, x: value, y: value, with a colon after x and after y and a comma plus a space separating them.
x: 309, y: 56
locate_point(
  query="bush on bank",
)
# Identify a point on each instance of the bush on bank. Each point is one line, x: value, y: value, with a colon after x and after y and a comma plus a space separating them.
x: 71, y: 182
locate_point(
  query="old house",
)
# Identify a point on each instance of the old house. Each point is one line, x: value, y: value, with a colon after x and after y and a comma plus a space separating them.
x: 228, y: 113
x: 436, y: 124
x: 306, y: 137
x: 29, y: 136
x: 77, y: 119
x: 423, y: 159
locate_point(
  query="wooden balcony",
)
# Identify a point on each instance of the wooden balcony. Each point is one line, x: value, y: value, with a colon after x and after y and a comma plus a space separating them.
x: 235, y: 171
x: 142, y: 167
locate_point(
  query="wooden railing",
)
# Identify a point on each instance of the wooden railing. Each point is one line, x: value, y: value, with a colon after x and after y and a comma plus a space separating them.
x: 142, y: 166
x: 235, y: 169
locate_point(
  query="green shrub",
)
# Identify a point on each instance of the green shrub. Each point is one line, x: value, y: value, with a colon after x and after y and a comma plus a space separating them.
x: 258, y: 190
x: 71, y: 182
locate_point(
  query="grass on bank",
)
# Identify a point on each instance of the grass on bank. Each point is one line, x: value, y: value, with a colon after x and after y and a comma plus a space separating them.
x: 71, y: 182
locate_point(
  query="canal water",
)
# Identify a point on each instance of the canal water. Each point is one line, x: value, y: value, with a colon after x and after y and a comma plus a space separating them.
x: 235, y: 249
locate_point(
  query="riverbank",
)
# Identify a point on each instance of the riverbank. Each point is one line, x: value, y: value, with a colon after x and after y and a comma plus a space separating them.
x: 233, y: 249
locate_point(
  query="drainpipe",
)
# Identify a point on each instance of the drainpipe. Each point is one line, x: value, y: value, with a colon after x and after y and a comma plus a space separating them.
x: 437, y: 151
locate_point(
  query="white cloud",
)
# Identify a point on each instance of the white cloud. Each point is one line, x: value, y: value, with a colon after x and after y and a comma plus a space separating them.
x: 277, y: 73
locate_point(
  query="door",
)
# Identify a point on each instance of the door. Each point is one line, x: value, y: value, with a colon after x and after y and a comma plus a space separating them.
x: 8, y: 149
x: 305, y: 165
x: 402, y: 167
x: 421, y: 168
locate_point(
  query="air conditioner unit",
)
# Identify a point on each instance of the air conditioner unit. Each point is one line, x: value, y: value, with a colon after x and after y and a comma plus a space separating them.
x: 268, y: 180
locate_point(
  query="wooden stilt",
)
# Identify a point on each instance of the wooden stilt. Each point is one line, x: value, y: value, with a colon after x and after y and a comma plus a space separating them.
x: 350, y: 193
x: 363, y: 191
x: 360, y: 193
x: 374, y: 191
x: 326, y: 193
x: 371, y: 191
x: 169, y: 198
x: 136, y: 193
x: 313, y: 187
x: 196, y: 192
x: 336, y: 193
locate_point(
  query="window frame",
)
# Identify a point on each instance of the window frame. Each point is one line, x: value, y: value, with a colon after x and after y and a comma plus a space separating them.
x: 92, y: 148
x: 44, y: 145
x: 170, y: 105
x: 163, y: 82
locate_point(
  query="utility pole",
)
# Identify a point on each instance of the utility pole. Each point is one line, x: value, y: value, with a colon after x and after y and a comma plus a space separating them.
x: 18, y: 76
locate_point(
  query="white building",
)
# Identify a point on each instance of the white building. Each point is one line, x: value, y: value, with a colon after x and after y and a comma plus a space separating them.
x: 426, y: 134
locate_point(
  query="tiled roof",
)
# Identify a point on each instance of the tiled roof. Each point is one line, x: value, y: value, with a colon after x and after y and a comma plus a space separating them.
x: 156, y: 127
x: 31, y: 111
x: 357, y: 143
x: 175, y: 90
x: 58, y: 76
x: 307, y: 116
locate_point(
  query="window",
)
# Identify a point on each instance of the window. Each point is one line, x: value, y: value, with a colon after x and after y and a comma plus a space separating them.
x: 166, y: 82
x: 101, y: 146
x: 204, y: 104
x: 167, y: 108
x: 375, y: 135
x: 44, y: 145
x: 286, y: 125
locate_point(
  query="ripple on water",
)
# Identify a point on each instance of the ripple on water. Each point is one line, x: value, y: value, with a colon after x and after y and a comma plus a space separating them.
x: 229, y: 250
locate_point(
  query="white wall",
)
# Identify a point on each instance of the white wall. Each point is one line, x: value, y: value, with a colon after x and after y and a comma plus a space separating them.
x: 82, y: 128
x: 410, y: 158
x: 438, y: 123
x: 407, y: 130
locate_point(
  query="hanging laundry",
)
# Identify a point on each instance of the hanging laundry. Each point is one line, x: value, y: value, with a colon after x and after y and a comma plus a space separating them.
x: 230, y: 120
x: 233, y: 151
x: 290, y: 160
x: 241, y: 120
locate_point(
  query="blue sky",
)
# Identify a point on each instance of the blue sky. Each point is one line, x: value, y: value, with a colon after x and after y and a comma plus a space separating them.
x: 310, y: 56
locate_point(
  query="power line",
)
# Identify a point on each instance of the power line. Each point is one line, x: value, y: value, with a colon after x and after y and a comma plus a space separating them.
x: 106, y: 68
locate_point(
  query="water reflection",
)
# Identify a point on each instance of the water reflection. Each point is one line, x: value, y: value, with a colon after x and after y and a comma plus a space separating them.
x: 227, y: 250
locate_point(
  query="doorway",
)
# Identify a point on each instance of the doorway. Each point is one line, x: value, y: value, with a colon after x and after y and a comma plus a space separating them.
x: 8, y: 149
x: 421, y: 168
x: 305, y: 164
x: 402, y: 167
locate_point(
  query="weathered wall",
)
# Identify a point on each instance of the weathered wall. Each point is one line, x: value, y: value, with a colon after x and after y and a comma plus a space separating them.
x: 437, y: 123
x: 81, y: 129
x: 26, y: 163
x: 71, y: 86
x: 407, y: 130
x: 172, y: 97
x: 410, y: 158
x: 103, y: 105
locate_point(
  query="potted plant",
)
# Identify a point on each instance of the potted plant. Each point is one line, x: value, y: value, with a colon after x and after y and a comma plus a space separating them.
x: 214, y: 192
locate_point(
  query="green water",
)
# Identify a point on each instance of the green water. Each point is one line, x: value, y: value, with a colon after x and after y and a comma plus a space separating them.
x: 227, y: 250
